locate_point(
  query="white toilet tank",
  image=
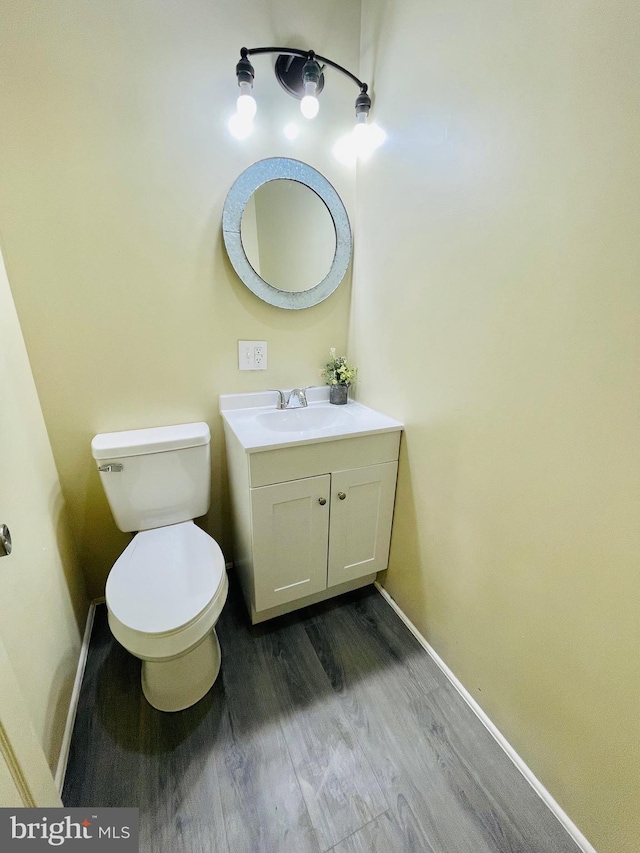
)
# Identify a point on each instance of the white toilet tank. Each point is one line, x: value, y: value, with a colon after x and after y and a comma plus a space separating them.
x: 155, y: 477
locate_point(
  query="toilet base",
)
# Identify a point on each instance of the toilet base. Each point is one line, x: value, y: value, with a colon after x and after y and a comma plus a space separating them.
x: 176, y: 684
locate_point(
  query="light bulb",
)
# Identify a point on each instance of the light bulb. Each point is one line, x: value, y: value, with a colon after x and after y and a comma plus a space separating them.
x: 366, y: 138
x: 292, y: 131
x: 309, y: 105
x: 247, y: 106
x: 377, y: 136
x: 240, y: 126
x: 360, y: 143
x: 246, y: 102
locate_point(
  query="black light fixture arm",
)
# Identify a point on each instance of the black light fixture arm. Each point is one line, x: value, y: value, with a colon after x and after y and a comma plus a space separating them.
x: 303, y: 54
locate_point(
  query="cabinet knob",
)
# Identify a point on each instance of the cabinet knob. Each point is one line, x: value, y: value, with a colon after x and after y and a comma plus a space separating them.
x: 341, y: 495
x: 322, y: 501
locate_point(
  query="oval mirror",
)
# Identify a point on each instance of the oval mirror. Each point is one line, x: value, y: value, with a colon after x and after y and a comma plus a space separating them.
x: 287, y: 233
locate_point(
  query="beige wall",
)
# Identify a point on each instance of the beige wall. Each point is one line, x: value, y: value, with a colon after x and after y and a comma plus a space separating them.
x: 496, y: 311
x: 42, y: 599
x: 115, y: 161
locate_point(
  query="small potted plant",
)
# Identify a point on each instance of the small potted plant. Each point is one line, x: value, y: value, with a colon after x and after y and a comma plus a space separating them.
x: 339, y: 375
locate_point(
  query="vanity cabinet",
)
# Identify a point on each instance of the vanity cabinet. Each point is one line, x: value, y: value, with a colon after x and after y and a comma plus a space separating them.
x: 320, y: 532
x: 312, y: 520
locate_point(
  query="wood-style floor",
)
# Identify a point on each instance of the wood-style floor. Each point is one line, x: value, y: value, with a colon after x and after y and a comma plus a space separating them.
x: 328, y: 729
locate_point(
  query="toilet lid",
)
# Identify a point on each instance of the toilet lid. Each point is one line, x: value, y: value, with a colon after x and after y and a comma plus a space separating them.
x: 165, y: 578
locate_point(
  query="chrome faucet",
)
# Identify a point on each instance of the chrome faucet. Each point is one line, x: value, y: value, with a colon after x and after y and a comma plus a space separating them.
x: 288, y: 402
x: 282, y: 400
x: 300, y: 395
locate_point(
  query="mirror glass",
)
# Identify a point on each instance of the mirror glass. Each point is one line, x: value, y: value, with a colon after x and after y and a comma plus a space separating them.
x: 287, y: 233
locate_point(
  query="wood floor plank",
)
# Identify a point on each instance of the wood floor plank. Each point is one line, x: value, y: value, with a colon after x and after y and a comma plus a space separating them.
x: 329, y: 728
x: 442, y: 782
x: 339, y: 787
x: 389, y: 833
x: 499, y: 795
x: 386, y: 641
x: 380, y: 696
x: 263, y: 804
x: 106, y: 733
x: 181, y: 807
x: 502, y: 800
x: 125, y: 753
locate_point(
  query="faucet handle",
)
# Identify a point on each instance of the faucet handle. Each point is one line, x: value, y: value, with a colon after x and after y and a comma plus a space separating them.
x: 282, y: 401
x: 300, y: 394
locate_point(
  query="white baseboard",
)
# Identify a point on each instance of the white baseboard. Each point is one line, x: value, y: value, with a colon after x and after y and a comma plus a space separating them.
x: 63, y: 758
x: 528, y: 774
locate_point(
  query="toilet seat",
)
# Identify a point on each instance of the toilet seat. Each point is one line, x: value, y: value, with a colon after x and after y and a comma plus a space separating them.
x: 165, y: 579
x: 164, y: 647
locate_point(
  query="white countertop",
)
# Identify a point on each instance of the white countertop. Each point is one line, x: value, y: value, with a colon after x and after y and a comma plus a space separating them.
x: 259, y: 425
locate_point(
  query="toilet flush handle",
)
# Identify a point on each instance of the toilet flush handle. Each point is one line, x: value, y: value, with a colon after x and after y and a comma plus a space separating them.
x: 114, y: 467
x: 5, y: 541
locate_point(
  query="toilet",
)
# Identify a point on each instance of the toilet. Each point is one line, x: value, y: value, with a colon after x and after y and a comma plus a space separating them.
x: 167, y: 589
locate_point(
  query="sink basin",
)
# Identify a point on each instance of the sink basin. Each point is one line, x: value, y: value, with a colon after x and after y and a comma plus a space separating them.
x: 258, y: 425
x: 301, y: 420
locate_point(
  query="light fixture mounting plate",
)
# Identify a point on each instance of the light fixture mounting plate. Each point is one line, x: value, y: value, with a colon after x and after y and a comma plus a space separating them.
x: 289, y: 74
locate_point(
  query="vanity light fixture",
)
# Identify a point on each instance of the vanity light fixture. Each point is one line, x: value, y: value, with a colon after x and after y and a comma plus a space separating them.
x: 301, y: 75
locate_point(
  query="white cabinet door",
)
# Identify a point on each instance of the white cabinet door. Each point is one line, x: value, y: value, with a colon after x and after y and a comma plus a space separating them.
x: 290, y: 540
x: 361, y: 515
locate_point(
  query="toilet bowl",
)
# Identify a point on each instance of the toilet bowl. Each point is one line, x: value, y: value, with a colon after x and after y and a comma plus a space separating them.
x: 167, y: 589
x: 164, y: 595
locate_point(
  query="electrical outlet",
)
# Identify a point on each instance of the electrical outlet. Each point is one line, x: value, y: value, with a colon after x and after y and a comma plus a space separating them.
x: 252, y: 355
x: 260, y: 356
